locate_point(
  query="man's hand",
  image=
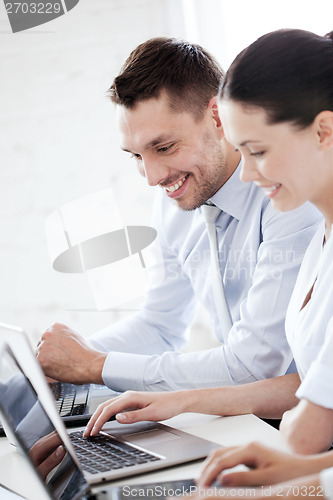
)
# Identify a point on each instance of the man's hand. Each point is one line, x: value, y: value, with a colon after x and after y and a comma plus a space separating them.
x: 138, y: 406
x: 47, y: 453
x: 66, y: 356
x: 266, y: 466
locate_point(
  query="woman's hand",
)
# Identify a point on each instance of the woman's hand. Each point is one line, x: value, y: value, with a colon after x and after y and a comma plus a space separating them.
x: 266, y: 466
x: 303, y: 487
x: 138, y: 406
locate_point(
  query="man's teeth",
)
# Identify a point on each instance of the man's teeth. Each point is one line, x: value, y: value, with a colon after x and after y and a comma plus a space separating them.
x: 175, y: 186
x: 270, y: 189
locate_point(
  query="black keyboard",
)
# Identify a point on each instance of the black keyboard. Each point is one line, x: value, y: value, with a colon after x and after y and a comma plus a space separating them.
x: 67, y: 400
x: 102, y: 453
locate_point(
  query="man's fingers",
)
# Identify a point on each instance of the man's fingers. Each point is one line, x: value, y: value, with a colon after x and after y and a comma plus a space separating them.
x: 43, y: 447
x: 52, y: 461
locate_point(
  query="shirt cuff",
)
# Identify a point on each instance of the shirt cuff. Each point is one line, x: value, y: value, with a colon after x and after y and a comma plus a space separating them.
x: 123, y: 371
x: 326, y: 480
x: 317, y: 386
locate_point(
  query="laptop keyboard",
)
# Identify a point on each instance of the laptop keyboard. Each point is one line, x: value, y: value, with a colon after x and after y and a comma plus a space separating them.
x: 68, y: 401
x: 102, y: 453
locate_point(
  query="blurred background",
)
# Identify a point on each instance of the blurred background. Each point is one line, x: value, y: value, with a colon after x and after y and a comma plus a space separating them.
x: 58, y: 139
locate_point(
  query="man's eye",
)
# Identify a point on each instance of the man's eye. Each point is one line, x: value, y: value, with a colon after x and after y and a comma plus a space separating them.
x: 136, y: 156
x: 164, y: 149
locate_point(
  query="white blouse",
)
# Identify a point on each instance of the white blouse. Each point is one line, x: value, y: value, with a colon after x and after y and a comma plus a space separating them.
x: 310, y: 330
x: 326, y: 480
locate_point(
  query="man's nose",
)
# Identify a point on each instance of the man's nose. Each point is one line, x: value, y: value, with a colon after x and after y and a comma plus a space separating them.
x: 154, y: 171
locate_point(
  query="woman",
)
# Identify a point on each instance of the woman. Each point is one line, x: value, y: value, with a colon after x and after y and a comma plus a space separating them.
x: 276, y: 106
x: 270, y: 467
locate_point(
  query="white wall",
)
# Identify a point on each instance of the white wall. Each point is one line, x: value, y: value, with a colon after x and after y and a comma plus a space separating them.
x: 58, y: 142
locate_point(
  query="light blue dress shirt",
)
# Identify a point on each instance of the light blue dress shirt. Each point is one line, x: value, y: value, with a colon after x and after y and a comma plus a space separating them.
x: 260, y: 252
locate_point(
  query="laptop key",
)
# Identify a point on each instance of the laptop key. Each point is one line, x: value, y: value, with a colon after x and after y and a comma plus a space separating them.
x: 102, y: 453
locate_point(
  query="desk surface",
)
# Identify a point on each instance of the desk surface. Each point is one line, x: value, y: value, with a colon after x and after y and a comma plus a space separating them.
x: 227, y: 431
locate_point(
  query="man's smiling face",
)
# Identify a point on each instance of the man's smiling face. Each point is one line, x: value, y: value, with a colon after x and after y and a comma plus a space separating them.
x: 175, y: 150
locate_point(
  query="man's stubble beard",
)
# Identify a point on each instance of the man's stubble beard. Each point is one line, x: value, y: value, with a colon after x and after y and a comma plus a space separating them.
x: 207, y: 187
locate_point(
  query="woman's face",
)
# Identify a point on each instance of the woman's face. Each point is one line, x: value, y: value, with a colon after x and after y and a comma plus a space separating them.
x: 283, y: 160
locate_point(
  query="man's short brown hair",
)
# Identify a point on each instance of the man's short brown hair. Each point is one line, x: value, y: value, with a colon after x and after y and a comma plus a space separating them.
x: 189, y: 75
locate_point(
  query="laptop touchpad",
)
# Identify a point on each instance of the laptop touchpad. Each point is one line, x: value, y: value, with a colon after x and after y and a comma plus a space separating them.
x: 151, y: 437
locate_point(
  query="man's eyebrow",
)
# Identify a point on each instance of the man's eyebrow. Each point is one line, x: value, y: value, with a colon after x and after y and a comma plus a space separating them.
x: 158, y: 140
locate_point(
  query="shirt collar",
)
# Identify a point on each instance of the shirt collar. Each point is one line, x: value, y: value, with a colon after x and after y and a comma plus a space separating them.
x: 232, y: 196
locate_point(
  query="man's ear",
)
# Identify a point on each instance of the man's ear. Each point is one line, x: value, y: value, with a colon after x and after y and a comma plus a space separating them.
x: 324, y: 129
x: 213, y: 109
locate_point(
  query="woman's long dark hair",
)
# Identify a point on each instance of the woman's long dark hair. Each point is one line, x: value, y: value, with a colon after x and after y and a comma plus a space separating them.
x: 288, y: 73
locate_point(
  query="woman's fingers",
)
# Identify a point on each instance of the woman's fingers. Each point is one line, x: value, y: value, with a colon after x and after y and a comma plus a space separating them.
x: 126, y: 402
x: 255, y: 456
x: 135, y: 406
x: 216, y: 462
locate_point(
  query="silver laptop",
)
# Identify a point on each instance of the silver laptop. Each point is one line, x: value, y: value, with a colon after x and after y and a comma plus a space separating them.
x: 75, y: 403
x: 29, y: 415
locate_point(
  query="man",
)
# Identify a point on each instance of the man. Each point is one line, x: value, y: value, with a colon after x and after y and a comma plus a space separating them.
x: 167, y: 112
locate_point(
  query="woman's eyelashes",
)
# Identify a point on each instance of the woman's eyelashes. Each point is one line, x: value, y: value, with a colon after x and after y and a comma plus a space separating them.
x: 251, y: 153
x: 257, y: 153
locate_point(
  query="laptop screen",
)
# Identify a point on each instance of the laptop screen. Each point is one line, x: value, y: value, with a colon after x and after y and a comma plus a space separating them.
x: 35, y: 433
